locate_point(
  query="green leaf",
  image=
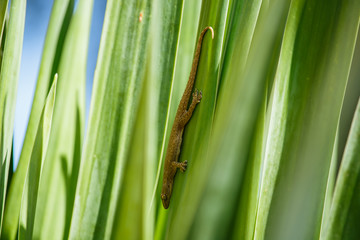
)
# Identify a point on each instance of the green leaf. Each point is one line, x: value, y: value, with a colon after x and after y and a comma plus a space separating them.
x: 344, y: 213
x: 118, y: 83
x: 58, y: 180
x: 29, y: 197
x: 9, y: 75
x: 59, y: 21
x: 308, y: 94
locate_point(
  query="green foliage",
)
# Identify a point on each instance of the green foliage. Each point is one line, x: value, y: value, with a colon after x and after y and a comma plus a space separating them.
x: 58, y: 24
x: 262, y: 146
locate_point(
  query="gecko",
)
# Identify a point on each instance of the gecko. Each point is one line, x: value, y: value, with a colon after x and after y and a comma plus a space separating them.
x: 182, y: 117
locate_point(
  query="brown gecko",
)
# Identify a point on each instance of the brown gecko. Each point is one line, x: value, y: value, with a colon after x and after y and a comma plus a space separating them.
x: 182, y: 117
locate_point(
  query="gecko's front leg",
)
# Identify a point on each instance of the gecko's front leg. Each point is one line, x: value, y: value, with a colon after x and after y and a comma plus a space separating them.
x: 181, y: 165
x: 196, y: 98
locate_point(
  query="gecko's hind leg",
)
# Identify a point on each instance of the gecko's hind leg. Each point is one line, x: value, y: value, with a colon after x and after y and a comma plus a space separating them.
x: 181, y: 165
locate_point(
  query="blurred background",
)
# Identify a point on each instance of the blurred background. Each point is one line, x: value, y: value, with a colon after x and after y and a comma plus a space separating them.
x: 37, y: 19
x: 131, y: 176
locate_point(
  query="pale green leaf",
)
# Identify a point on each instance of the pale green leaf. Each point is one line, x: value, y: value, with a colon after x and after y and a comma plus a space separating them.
x: 30, y: 192
x: 9, y: 75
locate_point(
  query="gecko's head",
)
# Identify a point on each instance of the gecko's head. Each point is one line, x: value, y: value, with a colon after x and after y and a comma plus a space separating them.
x: 165, y: 200
x: 166, y: 194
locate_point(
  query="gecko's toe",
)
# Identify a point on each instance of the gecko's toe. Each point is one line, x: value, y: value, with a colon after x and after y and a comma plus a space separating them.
x: 183, y: 166
x: 197, y: 95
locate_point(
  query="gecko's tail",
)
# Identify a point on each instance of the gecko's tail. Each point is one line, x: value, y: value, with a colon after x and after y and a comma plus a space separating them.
x: 197, y: 54
x: 207, y: 28
x: 190, y: 84
x: 202, y: 36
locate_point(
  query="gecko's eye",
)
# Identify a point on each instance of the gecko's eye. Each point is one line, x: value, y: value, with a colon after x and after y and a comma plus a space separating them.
x: 163, y: 197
